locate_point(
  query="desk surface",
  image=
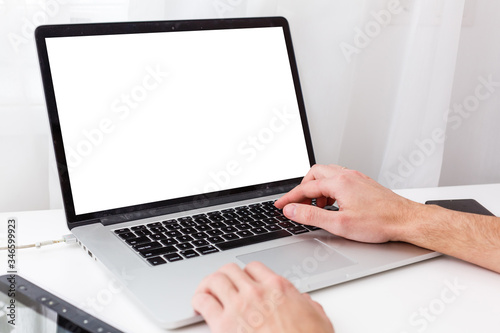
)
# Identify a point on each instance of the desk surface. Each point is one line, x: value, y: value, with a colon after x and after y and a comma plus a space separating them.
x: 443, y: 294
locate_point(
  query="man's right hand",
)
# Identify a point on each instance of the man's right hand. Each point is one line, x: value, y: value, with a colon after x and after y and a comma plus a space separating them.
x: 368, y: 212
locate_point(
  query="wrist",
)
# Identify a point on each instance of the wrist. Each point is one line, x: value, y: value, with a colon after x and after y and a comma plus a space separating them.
x: 417, y: 221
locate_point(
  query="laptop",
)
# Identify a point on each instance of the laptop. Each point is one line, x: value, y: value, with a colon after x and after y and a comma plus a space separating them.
x: 173, y: 139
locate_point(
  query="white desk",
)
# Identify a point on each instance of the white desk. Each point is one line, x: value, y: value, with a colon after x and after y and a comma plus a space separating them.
x: 415, y: 298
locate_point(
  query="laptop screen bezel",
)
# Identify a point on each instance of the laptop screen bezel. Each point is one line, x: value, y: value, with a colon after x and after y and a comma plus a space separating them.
x: 123, y: 214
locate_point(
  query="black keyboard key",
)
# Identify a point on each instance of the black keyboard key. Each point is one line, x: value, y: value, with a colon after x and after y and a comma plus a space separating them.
x: 257, y: 224
x: 274, y: 213
x: 203, y: 227
x: 154, y: 225
x: 270, y: 220
x: 168, y: 242
x: 259, y: 216
x: 243, y: 213
x: 266, y: 209
x: 258, y: 230
x: 184, y: 246
x: 200, y: 242
x: 228, y: 230
x: 173, y: 233
x: 173, y: 257
x: 311, y: 227
x: 253, y: 239
x: 215, y: 240
x: 230, y: 215
x: 143, y: 232
x: 207, y: 249
x: 273, y: 227
x: 230, y: 236
x: 245, y: 233
x: 232, y: 222
x: 214, y: 232
x: 297, y: 230
x: 256, y: 205
x: 217, y: 225
x: 158, y: 251
x: 187, y: 231
x: 157, y: 230
x: 187, y: 224
x: 199, y: 235
x: 138, y: 240
x: 122, y: 230
x: 158, y: 237
x: 190, y: 254
x: 173, y: 226
x: 138, y: 227
x: 183, y: 239
x: 246, y: 219
x: 216, y: 218
x: 243, y: 226
x: 156, y: 261
x: 202, y: 220
x: 286, y: 225
x: 258, y: 213
x: 146, y: 246
x: 185, y: 219
x: 127, y: 235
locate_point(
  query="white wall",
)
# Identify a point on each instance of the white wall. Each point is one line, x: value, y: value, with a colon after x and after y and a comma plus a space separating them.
x: 472, y: 151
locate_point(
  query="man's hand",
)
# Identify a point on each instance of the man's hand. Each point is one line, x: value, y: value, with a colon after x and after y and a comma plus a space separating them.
x: 256, y: 300
x: 368, y: 212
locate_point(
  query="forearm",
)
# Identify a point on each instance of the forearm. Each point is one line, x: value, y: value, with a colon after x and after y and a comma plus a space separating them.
x: 473, y: 238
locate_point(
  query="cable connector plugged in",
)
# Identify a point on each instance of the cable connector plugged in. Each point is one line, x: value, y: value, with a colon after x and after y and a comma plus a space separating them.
x: 68, y: 239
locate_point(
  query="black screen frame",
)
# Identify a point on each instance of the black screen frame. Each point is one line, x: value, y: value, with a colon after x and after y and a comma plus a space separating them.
x: 123, y: 214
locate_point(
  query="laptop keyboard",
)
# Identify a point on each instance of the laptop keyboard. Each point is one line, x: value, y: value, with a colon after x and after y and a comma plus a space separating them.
x: 193, y: 236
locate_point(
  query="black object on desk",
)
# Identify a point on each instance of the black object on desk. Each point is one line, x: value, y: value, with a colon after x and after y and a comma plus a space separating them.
x: 462, y: 205
x: 24, y: 305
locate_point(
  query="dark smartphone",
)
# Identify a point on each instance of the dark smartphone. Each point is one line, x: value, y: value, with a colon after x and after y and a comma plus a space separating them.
x: 462, y: 205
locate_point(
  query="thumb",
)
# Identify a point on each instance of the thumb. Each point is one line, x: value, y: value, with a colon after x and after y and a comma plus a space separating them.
x: 307, y: 214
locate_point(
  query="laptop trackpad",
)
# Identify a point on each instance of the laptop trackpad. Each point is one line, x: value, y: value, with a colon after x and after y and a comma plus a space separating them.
x: 301, y: 260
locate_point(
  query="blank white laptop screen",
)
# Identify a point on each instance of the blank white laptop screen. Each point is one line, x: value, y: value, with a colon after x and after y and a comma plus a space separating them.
x: 151, y: 117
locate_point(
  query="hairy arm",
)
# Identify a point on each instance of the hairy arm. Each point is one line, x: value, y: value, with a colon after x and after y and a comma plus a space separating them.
x: 369, y: 212
x: 471, y: 237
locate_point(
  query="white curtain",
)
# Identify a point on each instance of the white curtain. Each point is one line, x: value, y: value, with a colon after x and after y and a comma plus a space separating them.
x: 406, y: 91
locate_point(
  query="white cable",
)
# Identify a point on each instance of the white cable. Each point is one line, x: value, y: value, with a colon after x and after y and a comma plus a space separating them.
x: 69, y: 239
